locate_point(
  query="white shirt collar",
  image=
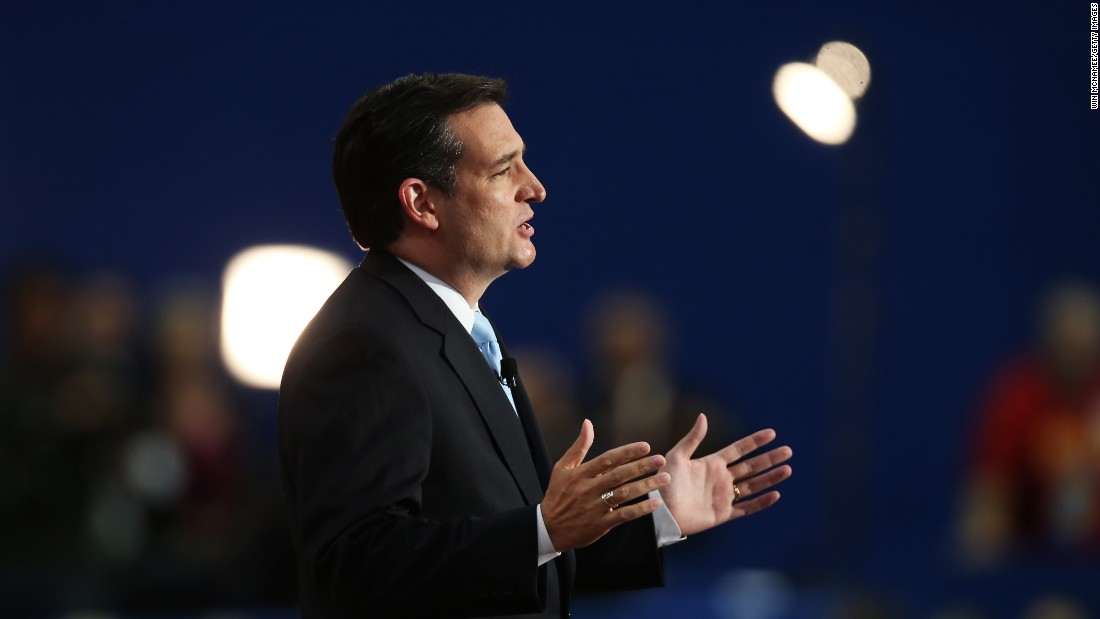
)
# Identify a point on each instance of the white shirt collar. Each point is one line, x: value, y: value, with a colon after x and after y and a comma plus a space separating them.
x: 451, y: 297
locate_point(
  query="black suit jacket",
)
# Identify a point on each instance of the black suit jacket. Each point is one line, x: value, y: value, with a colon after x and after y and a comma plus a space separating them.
x: 411, y: 484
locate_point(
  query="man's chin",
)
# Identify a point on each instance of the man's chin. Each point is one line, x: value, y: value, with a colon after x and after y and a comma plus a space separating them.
x: 522, y: 262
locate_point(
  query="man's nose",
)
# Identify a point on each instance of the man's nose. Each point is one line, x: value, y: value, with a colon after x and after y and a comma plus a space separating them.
x: 540, y: 192
x: 533, y: 190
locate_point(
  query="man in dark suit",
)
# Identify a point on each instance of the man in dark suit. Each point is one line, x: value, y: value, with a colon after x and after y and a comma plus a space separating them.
x: 415, y: 474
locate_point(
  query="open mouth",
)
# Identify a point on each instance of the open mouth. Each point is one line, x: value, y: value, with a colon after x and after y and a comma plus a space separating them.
x: 526, y: 226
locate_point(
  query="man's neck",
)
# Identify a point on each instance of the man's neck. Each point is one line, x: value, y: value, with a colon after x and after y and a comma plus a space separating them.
x: 471, y: 288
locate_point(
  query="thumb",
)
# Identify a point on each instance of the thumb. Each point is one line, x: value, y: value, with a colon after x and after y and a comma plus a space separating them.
x: 691, y: 440
x: 574, y: 456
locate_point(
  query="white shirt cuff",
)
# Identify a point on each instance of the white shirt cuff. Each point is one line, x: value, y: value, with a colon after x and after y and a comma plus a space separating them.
x: 668, y: 532
x: 546, y: 547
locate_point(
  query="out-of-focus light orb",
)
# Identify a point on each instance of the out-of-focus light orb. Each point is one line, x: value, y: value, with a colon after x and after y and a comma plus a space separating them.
x: 269, y: 294
x: 847, y: 65
x: 814, y: 102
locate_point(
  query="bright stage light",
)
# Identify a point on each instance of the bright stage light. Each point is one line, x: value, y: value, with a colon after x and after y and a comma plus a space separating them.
x: 846, y: 65
x: 814, y: 102
x: 269, y: 294
x: 819, y: 98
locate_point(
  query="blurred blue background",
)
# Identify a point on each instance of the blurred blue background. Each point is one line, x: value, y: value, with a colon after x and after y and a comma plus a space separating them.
x: 855, y: 298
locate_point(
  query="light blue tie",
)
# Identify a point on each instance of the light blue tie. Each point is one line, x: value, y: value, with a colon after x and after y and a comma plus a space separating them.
x: 486, y: 340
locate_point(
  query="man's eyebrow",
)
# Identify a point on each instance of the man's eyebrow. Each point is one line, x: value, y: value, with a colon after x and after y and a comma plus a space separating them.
x: 510, y: 156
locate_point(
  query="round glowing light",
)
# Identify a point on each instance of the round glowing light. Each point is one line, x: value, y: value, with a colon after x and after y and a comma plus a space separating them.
x: 847, y: 65
x: 269, y: 294
x: 814, y: 102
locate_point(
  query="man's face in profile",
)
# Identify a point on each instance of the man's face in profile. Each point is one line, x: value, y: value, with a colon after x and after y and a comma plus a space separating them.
x: 485, y: 223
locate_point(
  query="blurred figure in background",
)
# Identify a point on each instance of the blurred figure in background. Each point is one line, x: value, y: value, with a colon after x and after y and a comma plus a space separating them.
x: 1055, y: 607
x: 634, y: 395
x: 185, y: 466
x: 193, y: 404
x: 125, y: 478
x: 41, y: 495
x: 1035, y: 479
x: 69, y: 394
x: 552, y: 389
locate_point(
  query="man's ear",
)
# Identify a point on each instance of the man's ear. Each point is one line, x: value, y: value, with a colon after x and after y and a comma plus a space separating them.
x: 417, y: 202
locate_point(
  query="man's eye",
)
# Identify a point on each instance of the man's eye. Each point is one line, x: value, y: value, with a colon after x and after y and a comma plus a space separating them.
x: 502, y: 172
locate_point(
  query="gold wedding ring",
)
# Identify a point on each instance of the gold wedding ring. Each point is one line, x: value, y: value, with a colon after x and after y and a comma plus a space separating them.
x: 736, y: 493
x: 609, y: 498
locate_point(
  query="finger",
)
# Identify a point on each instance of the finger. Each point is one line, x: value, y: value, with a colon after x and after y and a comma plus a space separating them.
x: 763, y: 462
x: 746, y: 508
x: 579, y: 449
x: 687, y: 445
x: 613, y: 458
x: 633, y: 490
x: 627, y: 513
x: 631, y: 470
x: 764, y: 481
x: 732, y: 453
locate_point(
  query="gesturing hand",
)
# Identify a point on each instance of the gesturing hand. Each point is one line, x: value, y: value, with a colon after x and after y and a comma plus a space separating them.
x: 702, y: 492
x: 573, y: 510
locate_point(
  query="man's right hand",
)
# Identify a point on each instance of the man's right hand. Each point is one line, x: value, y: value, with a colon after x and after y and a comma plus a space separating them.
x: 573, y: 510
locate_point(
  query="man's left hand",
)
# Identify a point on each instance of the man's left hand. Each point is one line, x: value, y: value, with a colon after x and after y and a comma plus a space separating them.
x: 709, y: 491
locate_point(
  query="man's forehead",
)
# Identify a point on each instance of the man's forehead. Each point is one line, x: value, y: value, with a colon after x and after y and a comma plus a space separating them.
x: 487, y: 133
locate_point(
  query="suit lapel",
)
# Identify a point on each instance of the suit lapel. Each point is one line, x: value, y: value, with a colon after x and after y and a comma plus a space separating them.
x: 530, y: 426
x: 507, y: 431
x: 469, y: 365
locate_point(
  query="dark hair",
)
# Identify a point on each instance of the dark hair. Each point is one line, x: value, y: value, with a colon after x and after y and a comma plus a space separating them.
x: 397, y: 131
